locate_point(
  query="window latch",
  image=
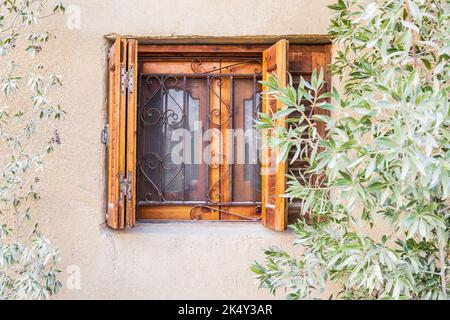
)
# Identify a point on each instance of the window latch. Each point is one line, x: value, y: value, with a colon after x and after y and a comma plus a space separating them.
x: 105, y: 135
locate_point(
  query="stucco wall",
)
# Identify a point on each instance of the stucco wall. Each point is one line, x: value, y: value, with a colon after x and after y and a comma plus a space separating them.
x: 184, y: 260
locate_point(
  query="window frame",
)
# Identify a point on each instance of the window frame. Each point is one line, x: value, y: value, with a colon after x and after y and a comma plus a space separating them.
x: 215, y: 205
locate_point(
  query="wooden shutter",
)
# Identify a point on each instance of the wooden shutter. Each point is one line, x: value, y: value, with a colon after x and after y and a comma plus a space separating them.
x: 121, y: 134
x: 131, y: 132
x: 274, y: 208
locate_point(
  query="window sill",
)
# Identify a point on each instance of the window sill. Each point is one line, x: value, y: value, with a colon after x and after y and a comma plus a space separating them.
x: 205, y: 228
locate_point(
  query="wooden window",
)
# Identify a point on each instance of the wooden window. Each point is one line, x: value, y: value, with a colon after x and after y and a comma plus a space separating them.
x: 180, y: 137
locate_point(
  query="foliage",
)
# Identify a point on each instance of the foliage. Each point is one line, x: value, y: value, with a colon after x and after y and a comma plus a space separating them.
x: 377, y: 188
x: 27, y: 259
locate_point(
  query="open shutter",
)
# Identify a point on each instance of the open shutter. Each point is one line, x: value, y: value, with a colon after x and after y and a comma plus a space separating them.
x: 117, y: 135
x: 274, y: 208
x: 130, y: 220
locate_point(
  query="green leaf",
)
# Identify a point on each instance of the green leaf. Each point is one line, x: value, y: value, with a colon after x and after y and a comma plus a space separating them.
x: 326, y: 106
x: 284, y: 152
x: 283, y: 113
x: 375, y: 186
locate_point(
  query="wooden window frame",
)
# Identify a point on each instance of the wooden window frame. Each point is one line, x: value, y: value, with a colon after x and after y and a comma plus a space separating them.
x: 219, y: 74
x: 121, y: 151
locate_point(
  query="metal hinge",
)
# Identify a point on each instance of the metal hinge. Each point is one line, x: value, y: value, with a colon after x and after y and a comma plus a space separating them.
x: 105, y: 135
x: 123, y: 78
x: 130, y: 79
x: 130, y: 186
x: 126, y: 79
x: 125, y: 186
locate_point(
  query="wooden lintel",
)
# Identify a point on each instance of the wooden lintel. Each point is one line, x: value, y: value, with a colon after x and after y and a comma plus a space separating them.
x: 247, y: 39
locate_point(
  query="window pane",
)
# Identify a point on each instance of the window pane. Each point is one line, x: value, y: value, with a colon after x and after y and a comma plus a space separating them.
x: 171, y: 114
x: 246, y: 167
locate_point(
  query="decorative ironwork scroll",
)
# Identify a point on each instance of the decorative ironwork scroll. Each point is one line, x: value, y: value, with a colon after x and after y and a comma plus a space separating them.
x: 150, y: 115
x: 197, y: 62
x: 153, y: 161
x: 197, y: 211
x: 218, y: 113
x: 213, y: 187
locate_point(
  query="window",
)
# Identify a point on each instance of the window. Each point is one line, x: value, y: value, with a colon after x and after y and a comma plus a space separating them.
x: 181, y: 138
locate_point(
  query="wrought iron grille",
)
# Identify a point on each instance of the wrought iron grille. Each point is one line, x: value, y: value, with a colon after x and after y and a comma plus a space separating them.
x: 168, y: 102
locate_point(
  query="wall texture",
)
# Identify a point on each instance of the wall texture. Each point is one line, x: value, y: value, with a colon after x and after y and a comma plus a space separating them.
x: 184, y: 260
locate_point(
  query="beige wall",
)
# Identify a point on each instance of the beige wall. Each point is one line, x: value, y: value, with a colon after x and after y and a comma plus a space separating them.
x: 185, y: 260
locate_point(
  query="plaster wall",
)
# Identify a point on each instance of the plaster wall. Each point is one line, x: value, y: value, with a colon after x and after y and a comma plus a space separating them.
x: 175, y: 260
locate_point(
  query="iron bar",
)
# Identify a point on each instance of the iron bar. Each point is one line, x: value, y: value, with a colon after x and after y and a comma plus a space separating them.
x: 186, y: 126
x: 254, y: 111
x: 208, y: 121
x: 231, y: 147
x: 193, y: 202
x: 196, y: 76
